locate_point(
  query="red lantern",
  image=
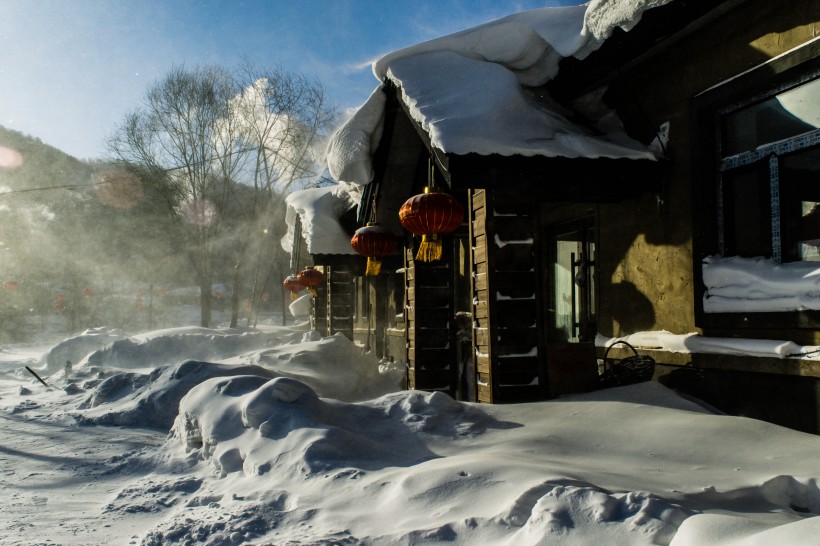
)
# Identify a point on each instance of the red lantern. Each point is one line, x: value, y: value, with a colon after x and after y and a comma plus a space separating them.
x: 87, y: 292
x: 11, y: 286
x: 375, y: 242
x: 310, y: 278
x: 292, y: 284
x: 431, y: 214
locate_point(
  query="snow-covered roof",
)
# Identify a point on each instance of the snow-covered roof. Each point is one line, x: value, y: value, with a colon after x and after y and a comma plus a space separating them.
x: 319, y: 210
x: 469, y: 90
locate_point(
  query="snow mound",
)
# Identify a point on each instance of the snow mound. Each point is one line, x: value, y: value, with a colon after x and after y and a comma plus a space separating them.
x: 583, y: 514
x: 334, y: 367
x: 732, y: 530
x: 78, y: 347
x: 153, y: 400
x: 168, y: 347
x: 243, y: 426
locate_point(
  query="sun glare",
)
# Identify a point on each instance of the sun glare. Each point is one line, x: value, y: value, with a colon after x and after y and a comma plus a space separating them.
x: 10, y: 158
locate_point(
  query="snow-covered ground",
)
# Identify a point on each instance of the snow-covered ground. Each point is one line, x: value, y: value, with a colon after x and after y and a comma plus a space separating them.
x: 272, y: 436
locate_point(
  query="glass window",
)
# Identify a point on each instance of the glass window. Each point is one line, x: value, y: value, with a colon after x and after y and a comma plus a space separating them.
x: 800, y: 176
x: 769, y: 186
x: 782, y: 116
x: 747, y: 213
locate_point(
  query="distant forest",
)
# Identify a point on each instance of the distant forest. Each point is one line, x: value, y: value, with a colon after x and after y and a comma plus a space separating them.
x: 84, y: 244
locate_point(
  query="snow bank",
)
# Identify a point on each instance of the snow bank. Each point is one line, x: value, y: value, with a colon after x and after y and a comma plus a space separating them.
x: 333, y: 366
x: 168, y: 347
x: 77, y: 348
x: 294, y: 444
x: 426, y: 469
x: 282, y: 426
x: 754, y: 285
x: 265, y: 421
x: 152, y: 400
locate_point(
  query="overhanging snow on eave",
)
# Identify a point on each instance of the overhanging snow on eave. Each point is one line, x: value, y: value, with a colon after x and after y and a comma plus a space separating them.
x: 659, y: 29
x: 562, y: 178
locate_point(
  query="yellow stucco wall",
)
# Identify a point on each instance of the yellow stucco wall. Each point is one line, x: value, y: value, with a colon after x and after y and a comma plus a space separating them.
x: 645, y: 259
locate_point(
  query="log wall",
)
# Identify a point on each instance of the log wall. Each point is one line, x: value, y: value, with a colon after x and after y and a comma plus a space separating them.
x: 508, y: 347
x: 339, y: 304
x: 428, y: 319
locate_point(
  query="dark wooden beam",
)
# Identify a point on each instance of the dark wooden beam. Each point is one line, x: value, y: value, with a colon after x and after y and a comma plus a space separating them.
x: 559, y: 178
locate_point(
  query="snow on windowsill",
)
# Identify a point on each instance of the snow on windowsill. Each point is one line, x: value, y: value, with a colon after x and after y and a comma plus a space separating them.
x: 662, y: 340
x: 759, y: 285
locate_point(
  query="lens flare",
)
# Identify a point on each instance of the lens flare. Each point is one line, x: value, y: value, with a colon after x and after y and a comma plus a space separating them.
x: 10, y: 158
x: 117, y: 188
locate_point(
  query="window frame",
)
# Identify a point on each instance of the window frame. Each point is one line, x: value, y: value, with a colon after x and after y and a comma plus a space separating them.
x: 708, y: 110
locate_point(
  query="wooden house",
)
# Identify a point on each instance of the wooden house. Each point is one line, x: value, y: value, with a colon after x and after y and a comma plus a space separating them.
x: 558, y: 251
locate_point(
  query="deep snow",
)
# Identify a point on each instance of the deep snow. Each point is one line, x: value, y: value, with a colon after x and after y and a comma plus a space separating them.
x: 272, y: 436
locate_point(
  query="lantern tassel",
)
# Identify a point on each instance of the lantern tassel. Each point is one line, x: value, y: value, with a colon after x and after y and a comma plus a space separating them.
x: 374, y: 267
x: 293, y: 296
x: 430, y: 249
x: 312, y: 291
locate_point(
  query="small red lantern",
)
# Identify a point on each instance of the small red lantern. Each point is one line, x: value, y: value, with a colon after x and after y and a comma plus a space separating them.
x: 87, y: 292
x: 292, y: 284
x: 375, y: 242
x: 11, y: 286
x: 310, y: 278
x: 431, y: 214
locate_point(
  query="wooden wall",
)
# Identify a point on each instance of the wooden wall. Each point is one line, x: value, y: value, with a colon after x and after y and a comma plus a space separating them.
x: 320, y: 301
x: 339, y: 303
x: 431, y: 355
x: 506, y: 336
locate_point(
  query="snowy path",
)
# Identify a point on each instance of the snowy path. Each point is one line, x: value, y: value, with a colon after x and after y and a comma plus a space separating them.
x: 54, y: 478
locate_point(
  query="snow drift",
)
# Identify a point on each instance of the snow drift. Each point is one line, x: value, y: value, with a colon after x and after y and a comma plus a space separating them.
x: 310, y: 441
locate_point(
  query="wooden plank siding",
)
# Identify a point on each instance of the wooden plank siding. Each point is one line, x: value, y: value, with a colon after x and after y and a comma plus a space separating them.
x: 506, y: 336
x: 429, y: 320
x: 339, y: 303
x: 319, y: 307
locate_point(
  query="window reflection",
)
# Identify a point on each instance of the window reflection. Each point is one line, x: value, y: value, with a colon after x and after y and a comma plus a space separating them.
x: 782, y: 116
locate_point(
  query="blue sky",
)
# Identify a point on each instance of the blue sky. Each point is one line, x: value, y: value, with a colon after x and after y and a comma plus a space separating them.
x: 70, y: 69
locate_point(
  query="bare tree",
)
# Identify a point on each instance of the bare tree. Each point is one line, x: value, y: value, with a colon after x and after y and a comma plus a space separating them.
x: 222, y: 148
x: 284, y: 117
x: 184, y: 140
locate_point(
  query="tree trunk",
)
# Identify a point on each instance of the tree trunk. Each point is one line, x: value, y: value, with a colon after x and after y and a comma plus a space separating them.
x: 235, y: 297
x: 205, y: 302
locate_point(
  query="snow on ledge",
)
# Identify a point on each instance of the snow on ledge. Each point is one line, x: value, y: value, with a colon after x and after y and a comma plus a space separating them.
x: 757, y: 285
x: 695, y: 343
